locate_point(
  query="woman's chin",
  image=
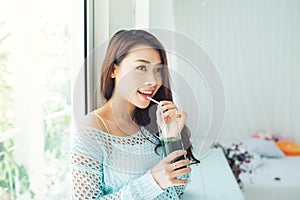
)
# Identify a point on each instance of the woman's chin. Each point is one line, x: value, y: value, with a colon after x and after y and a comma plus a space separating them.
x: 142, y: 105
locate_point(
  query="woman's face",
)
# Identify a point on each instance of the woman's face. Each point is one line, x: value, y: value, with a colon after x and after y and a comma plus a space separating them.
x: 139, y: 75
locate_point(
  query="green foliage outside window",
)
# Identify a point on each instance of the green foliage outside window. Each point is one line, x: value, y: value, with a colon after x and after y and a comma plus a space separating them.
x: 56, y: 95
x: 8, y: 167
x: 12, y: 175
x: 14, y: 178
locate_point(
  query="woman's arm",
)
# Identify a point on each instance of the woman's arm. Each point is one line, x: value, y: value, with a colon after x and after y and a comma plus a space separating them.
x: 88, y: 184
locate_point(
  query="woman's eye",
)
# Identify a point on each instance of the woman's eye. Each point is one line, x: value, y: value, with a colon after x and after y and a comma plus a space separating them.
x: 160, y: 70
x: 141, y: 68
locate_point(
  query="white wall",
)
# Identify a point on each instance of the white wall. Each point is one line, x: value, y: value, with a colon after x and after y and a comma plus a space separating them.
x: 256, y: 46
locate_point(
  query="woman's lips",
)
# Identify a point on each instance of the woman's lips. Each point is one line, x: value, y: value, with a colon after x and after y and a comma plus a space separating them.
x: 145, y: 94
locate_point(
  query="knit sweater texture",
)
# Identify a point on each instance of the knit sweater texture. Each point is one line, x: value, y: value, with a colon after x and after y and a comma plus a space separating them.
x: 109, y: 167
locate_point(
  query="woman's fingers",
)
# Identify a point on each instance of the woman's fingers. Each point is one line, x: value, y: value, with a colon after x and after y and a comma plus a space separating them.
x: 168, y: 106
x: 180, y: 172
x: 181, y: 163
x: 178, y: 114
x: 164, y: 102
x: 169, y: 110
x: 177, y: 182
x: 165, y: 173
x: 159, y: 117
x: 175, y: 114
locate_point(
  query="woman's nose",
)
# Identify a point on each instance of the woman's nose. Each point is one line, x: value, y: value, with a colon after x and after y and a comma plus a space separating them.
x: 150, y: 83
x: 151, y: 79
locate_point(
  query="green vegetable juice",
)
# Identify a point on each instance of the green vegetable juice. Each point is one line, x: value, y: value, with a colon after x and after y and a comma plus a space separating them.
x: 172, y: 144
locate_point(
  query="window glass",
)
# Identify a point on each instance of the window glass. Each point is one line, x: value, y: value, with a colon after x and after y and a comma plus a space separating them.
x: 54, y: 61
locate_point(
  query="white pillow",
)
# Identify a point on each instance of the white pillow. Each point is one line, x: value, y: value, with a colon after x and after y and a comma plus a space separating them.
x: 262, y: 147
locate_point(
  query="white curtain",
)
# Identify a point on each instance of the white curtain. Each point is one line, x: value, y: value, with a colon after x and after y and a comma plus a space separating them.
x: 255, y: 44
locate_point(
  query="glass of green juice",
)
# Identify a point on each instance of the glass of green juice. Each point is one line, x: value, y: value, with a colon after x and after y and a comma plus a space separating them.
x: 171, y: 140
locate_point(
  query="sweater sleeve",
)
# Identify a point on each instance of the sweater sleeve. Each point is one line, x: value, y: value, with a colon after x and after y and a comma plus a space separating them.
x: 87, y: 175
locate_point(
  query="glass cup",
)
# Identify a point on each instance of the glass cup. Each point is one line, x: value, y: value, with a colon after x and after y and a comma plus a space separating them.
x: 171, y: 139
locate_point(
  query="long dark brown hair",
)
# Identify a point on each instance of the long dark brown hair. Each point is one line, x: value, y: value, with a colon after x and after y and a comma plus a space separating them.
x: 119, y: 46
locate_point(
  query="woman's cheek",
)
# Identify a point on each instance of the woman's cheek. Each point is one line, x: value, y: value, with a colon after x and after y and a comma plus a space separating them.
x: 128, y: 85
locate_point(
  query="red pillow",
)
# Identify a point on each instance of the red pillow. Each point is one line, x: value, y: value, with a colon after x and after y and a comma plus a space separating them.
x: 289, y: 148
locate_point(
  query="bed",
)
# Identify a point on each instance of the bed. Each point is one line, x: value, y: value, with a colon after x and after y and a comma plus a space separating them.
x: 273, y: 178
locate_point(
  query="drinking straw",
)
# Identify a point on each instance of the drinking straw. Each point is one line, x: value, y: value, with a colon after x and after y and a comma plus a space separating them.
x: 153, y: 100
x: 164, y: 126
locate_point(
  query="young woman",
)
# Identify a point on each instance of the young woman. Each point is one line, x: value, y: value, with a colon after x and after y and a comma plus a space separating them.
x: 116, y: 151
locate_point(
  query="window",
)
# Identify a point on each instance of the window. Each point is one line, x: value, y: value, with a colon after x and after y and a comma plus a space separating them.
x: 39, y: 60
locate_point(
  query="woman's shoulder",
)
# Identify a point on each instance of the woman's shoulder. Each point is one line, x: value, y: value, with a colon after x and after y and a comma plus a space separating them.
x: 88, y: 129
x: 86, y: 138
x: 92, y: 121
x: 87, y: 133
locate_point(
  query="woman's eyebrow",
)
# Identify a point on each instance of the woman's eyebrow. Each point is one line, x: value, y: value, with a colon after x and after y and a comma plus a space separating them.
x: 146, y: 61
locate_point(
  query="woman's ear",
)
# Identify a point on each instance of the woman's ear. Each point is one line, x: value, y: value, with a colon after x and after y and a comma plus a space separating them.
x: 115, y: 71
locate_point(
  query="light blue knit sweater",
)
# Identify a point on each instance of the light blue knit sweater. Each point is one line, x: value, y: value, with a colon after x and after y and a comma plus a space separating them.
x: 105, y: 166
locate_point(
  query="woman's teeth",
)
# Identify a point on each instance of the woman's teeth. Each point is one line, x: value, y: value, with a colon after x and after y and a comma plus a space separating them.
x: 146, y: 92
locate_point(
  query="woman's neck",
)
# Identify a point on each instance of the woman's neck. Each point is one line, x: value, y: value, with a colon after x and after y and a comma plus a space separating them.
x: 120, y: 110
x: 118, y: 116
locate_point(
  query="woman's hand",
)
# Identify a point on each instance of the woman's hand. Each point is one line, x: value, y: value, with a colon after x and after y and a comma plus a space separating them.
x: 165, y: 173
x: 168, y: 113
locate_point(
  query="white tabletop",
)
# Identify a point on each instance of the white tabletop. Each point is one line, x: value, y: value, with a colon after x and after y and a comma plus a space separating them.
x: 212, y: 179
